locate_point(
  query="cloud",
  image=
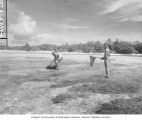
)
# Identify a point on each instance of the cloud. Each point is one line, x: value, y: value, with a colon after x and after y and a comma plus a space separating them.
x: 25, y: 25
x: 72, y: 27
x: 22, y: 27
x: 71, y: 24
x: 127, y: 10
x: 44, y: 38
x: 36, y: 39
x: 132, y: 18
x: 116, y: 5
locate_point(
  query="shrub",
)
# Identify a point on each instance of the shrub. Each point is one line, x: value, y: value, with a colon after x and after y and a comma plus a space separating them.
x: 124, y: 47
x: 121, y: 106
x: 138, y: 47
x: 61, y: 98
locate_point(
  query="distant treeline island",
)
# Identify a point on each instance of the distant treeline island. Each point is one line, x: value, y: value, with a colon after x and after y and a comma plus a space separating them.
x: 117, y: 46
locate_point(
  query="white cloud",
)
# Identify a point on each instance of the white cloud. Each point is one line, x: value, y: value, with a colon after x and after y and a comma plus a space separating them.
x: 127, y: 10
x: 22, y: 27
x: 44, y: 38
x: 72, y: 27
x: 117, y: 5
x: 132, y: 18
x: 71, y: 24
x: 25, y: 25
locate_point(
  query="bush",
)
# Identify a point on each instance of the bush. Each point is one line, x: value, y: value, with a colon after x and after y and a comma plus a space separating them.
x: 121, y: 106
x: 121, y: 47
x: 71, y: 50
x: 26, y: 47
x: 124, y: 48
x: 127, y: 50
x: 138, y: 47
x: 61, y: 98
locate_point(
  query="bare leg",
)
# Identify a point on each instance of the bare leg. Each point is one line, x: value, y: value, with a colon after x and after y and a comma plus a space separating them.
x: 106, y: 62
x: 56, y: 64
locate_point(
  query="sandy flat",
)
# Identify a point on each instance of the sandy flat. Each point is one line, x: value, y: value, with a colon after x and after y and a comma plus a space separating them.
x: 26, y: 86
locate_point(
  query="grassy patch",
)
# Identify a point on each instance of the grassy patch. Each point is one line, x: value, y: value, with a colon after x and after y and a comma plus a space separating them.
x: 109, y: 88
x: 121, y: 106
x: 61, y: 98
x: 63, y: 84
x: 40, y: 80
x: 56, y: 74
x: 116, y: 88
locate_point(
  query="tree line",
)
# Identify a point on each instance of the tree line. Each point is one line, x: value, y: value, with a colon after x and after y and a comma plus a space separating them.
x: 117, y: 46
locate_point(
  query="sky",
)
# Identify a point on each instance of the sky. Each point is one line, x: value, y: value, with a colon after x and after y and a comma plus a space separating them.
x: 73, y: 21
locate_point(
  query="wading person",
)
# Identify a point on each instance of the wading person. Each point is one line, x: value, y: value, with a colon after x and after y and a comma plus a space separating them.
x: 106, y: 59
x: 57, y: 58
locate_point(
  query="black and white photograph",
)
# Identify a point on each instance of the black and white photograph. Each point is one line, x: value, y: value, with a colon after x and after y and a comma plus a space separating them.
x: 70, y: 57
